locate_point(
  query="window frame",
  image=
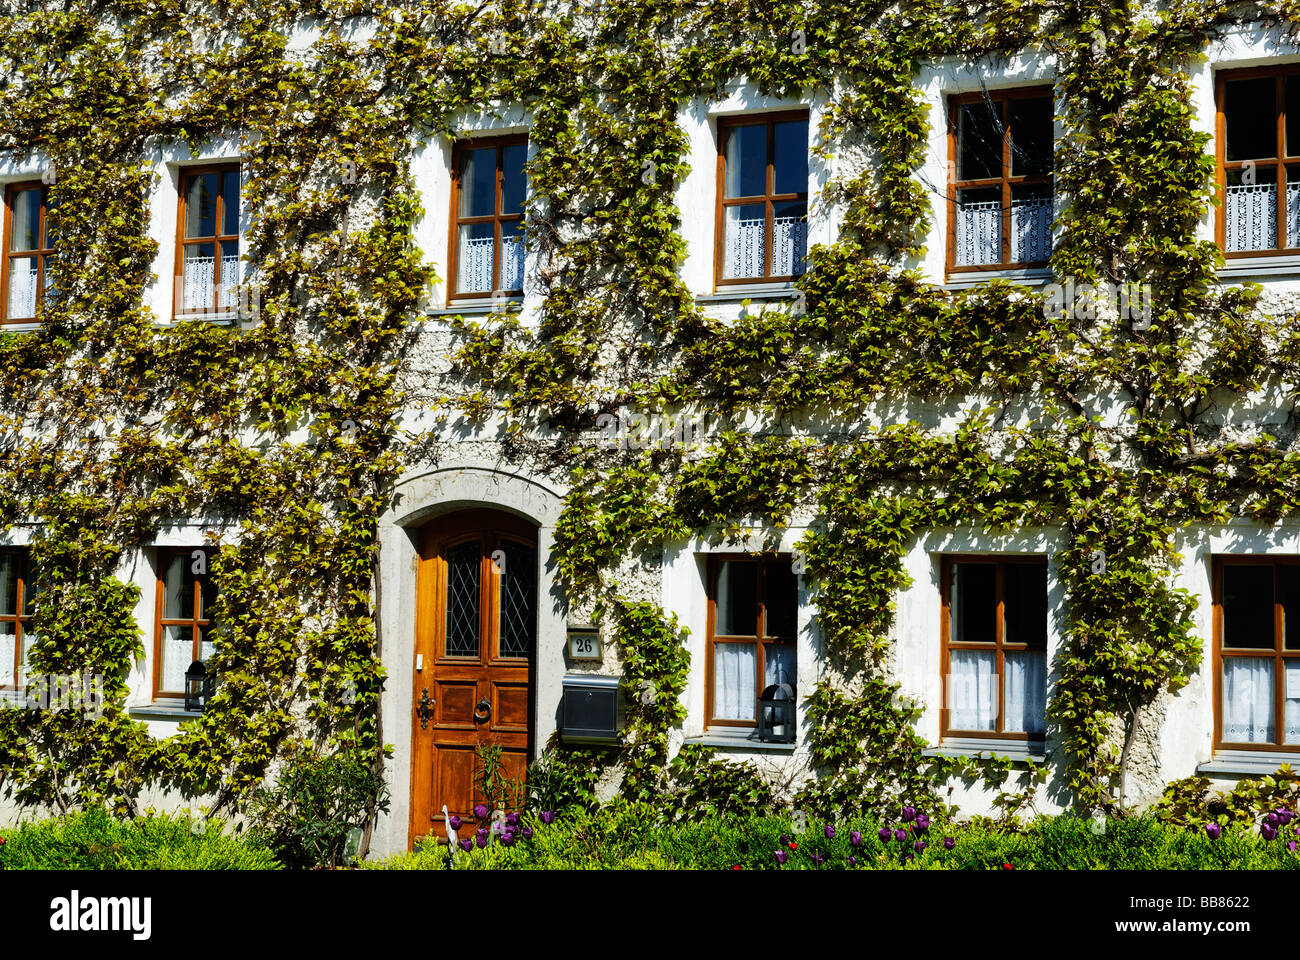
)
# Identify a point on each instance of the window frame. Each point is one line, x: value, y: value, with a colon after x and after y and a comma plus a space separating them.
x: 19, y: 618
x: 1279, y: 653
x: 1003, y: 98
x: 1222, y: 165
x: 768, y: 199
x: 1000, y: 646
x: 497, y: 218
x: 165, y: 555
x: 218, y: 239
x: 759, y: 639
x: 42, y: 253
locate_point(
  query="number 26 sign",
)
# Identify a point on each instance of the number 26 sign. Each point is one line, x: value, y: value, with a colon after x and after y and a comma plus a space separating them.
x: 584, y: 643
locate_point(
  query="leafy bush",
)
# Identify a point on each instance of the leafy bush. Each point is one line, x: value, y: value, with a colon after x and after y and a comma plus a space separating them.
x: 316, y: 803
x: 93, y: 840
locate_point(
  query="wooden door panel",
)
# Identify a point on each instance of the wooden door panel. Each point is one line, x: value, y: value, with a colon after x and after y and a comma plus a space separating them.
x: 456, y: 699
x: 453, y: 780
x: 510, y: 706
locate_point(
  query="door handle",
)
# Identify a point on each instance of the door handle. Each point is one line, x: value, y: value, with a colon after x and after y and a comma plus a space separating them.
x: 483, y: 707
x: 424, y: 710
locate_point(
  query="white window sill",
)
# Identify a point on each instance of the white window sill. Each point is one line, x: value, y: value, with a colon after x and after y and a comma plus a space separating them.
x: 743, y: 739
x: 1034, y: 750
x: 164, y: 710
x: 27, y: 326
x: 1241, y: 268
x: 1247, y: 762
x: 221, y: 319
x: 479, y: 307
x: 1029, y: 276
x: 751, y: 291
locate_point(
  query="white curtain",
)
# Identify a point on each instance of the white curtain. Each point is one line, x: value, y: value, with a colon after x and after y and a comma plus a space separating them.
x: 743, y: 252
x: 1031, y: 229
x: 1250, y: 218
x: 177, y: 654
x: 1248, y: 700
x: 1291, y: 707
x: 735, y: 666
x: 972, y: 690
x: 29, y: 639
x: 6, y: 654
x: 979, y: 233
x: 1026, y: 691
x: 22, y: 288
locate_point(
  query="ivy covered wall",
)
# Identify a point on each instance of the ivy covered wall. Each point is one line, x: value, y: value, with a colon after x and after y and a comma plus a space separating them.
x: 292, y: 431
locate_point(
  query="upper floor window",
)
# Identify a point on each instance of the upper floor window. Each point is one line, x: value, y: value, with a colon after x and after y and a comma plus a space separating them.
x: 994, y: 627
x: 207, y: 245
x: 762, y: 217
x: 183, y: 623
x: 487, y: 216
x: 1259, y: 160
x: 753, y: 618
x: 1257, y: 679
x: 28, y: 250
x: 1000, y: 193
x: 16, y: 638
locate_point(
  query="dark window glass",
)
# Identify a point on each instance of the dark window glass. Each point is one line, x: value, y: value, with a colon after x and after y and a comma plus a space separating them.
x: 230, y: 202
x: 979, y: 141
x: 464, y: 567
x: 478, y: 182
x: 1031, y: 137
x: 1250, y: 118
x: 1024, y: 592
x: 781, y: 596
x: 746, y: 174
x: 974, y: 603
x: 518, y: 600
x: 737, y: 599
x: 1247, y: 606
x: 513, y: 182
x: 790, y: 163
x: 1291, y: 606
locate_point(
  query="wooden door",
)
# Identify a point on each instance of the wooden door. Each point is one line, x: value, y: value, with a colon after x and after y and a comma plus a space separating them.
x: 475, y: 638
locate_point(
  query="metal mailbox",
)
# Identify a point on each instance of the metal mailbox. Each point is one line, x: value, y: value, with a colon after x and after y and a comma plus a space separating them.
x: 590, y: 709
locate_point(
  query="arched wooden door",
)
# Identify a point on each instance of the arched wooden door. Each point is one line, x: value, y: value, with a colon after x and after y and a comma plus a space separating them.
x: 475, y: 638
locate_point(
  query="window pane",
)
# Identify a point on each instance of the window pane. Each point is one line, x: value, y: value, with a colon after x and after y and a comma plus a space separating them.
x: 972, y: 690
x: 198, y: 277
x: 178, y: 587
x: 1024, y: 607
x: 779, y: 664
x: 1031, y: 224
x: 207, y: 590
x: 1292, y: 118
x: 1248, y: 699
x: 746, y: 161
x: 979, y: 141
x: 8, y: 652
x: 789, y: 238
x: 206, y: 646
x: 1250, y: 118
x: 743, y: 241
x: 790, y: 158
x: 974, y: 603
x: 478, y: 182
x: 177, y: 655
x: 512, y: 256
x: 1026, y: 690
x: 25, y: 656
x: 1031, y: 137
x: 1247, y: 606
x: 464, y: 567
x: 201, y: 206
x: 518, y: 600
x: 230, y: 202
x: 23, y: 283
x: 1291, y: 607
x: 24, y: 231
x: 1291, y: 707
x: 781, y: 596
x: 474, y: 258
x: 737, y: 599
x: 513, y: 182
x: 978, y: 227
x: 735, y: 669
x: 10, y: 571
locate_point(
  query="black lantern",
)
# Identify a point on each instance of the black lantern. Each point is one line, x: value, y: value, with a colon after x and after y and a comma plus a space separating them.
x: 776, y: 714
x: 199, y: 685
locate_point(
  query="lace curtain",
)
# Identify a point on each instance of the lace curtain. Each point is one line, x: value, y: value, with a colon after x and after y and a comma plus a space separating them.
x: 979, y: 232
x: 734, y: 667
x: 22, y: 288
x: 198, y: 281
x: 744, y: 248
x: 973, y: 691
x: 1248, y: 691
x: 474, y: 264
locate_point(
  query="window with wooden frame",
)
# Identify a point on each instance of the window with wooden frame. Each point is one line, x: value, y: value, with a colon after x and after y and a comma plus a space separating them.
x: 183, y: 625
x: 488, y: 191
x: 762, y: 215
x: 1000, y: 185
x: 28, y: 250
x: 752, y: 623
x: 207, y: 245
x: 1257, y: 653
x: 17, y: 594
x: 994, y: 633
x: 1258, y: 160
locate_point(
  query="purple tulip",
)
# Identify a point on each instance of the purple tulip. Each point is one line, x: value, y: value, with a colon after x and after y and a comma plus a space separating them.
x: 900, y: 834
x: 830, y: 831
x: 785, y: 838
x: 1267, y: 831
x: 922, y: 823
x: 909, y: 814
x: 884, y: 833
x: 782, y: 856
x: 1272, y: 819
x: 481, y: 839
x: 855, y: 838
x: 480, y: 810
x: 817, y: 859
x: 1213, y: 830
x: 853, y: 861
x: 508, y: 838
x: 910, y: 856
x: 949, y: 843
x: 548, y: 816
x: 1285, y: 816
x: 1291, y: 845
x: 467, y: 844
x: 919, y: 845
x: 454, y: 822
x: 526, y: 832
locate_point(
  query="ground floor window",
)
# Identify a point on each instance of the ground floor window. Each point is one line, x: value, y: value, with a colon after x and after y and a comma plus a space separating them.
x: 1257, y: 647
x: 183, y: 624
x: 753, y: 618
x: 16, y: 637
x: 994, y: 636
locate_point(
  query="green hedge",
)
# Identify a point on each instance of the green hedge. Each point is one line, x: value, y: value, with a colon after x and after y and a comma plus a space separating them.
x: 92, y: 840
x: 629, y: 839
